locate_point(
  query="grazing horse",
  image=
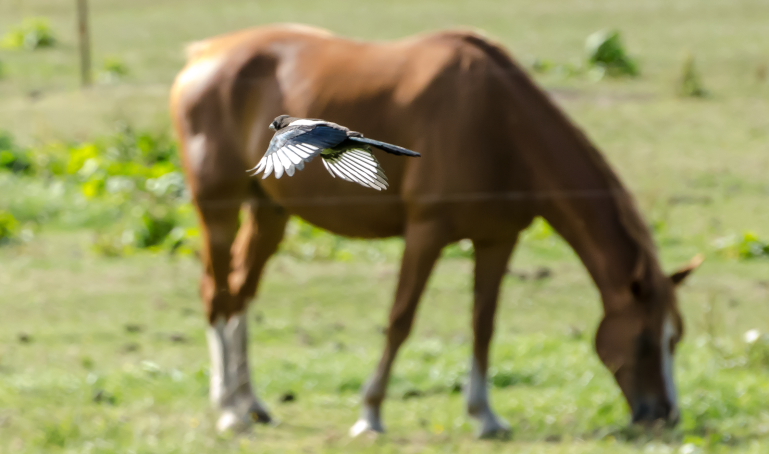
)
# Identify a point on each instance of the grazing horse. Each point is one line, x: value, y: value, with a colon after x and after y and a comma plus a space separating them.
x: 496, y: 153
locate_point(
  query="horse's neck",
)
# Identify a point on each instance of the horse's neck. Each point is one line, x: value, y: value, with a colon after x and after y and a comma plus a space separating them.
x: 580, y: 194
x: 592, y: 210
x: 604, y: 233
x: 582, y: 197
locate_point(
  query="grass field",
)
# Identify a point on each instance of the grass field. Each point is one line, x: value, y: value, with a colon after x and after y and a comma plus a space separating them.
x: 102, y: 355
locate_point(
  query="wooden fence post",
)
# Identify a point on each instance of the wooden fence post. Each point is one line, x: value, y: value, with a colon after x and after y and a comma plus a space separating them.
x: 85, y: 42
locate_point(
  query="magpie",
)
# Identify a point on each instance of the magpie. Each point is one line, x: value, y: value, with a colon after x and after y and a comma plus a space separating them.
x: 346, y: 154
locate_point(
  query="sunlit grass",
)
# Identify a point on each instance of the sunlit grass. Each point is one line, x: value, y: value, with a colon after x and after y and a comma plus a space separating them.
x: 106, y: 355
x: 112, y: 357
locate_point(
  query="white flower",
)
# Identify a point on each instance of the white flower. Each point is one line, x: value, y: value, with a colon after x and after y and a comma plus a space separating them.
x: 751, y: 336
x: 689, y: 448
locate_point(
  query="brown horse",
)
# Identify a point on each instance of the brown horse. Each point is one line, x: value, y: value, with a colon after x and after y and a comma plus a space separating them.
x: 496, y: 152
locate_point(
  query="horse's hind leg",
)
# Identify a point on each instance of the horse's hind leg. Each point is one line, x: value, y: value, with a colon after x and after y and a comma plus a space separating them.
x: 257, y: 241
x: 490, y: 265
x: 219, y: 187
x: 227, y: 290
x: 424, y: 242
x: 219, y: 219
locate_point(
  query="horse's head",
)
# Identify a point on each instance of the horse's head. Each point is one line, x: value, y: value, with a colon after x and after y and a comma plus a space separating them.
x: 637, y: 339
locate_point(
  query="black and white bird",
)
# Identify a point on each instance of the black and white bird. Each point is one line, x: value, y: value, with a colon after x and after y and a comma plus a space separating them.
x: 346, y: 154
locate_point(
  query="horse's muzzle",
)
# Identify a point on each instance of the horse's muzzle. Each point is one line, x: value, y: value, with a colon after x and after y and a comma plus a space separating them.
x: 648, y: 410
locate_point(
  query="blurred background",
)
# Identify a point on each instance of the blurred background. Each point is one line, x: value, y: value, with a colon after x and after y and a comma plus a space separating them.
x: 102, y: 345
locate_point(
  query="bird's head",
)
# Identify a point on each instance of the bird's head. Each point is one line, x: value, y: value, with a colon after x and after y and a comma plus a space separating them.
x: 280, y: 122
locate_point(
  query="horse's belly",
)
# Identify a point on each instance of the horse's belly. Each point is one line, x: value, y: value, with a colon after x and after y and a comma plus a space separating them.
x: 340, y: 206
x: 356, y: 219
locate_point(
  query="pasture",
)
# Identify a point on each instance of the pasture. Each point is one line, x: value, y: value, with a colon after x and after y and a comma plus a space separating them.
x: 103, y: 353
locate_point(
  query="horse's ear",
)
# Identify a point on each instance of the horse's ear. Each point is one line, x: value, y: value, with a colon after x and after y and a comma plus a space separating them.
x: 681, y: 274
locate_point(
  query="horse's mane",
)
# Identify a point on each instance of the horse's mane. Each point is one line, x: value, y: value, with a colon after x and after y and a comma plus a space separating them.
x: 628, y: 214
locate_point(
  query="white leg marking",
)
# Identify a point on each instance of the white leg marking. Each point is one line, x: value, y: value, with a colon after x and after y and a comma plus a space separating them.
x: 218, y: 351
x: 668, y: 331
x: 479, y: 408
x: 243, y: 392
x: 369, y: 422
x: 231, y: 390
x: 370, y: 417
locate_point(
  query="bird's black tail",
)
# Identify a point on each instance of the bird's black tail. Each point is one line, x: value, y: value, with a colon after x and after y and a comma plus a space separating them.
x: 390, y: 148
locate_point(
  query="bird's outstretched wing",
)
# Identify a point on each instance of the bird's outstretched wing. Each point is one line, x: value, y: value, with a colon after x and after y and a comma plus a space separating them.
x: 290, y: 149
x: 357, y: 165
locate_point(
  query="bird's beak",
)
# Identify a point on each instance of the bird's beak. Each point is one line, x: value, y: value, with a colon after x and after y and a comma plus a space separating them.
x: 272, y: 126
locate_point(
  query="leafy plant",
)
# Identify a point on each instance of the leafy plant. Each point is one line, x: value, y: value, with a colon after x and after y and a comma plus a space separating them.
x: 131, y: 177
x: 147, y: 147
x: 113, y: 69
x: 159, y: 228
x: 461, y: 249
x: 607, y: 56
x: 746, y: 246
x: 9, y: 227
x: 304, y: 240
x: 12, y: 157
x: 33, y: 33
x: 758, y: 348
x: 542, y: 66
x: 154, y: 227
x: 562, y: 69
x: 540, y: 229
x: 690, y: 84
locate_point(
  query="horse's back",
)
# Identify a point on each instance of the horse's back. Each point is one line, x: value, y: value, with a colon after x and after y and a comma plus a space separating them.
x: 438, y: 94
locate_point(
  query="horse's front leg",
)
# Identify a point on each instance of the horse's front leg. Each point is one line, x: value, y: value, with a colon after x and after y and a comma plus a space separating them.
x: 490, y: 264
x: 424, y: 242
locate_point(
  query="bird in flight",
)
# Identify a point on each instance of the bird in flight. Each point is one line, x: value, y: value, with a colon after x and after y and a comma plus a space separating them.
x: 346, y: 154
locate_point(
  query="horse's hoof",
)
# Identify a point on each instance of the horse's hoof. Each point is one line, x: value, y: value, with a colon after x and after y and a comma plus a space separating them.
x: 364, y: 426
x: 497, y: 430
x: 231, y: 422
x: 260, y: 416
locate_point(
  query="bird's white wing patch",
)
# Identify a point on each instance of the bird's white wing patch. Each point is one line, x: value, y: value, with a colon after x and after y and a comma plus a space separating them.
x: 304, y: 122
x: 293, y: 154
x: 288, y: 159
x: 325, y: 164
x: 359, y: 166
x: 276, y: 161
x: 268, y: 167
x: 282, y: 155
x: 290, y: 148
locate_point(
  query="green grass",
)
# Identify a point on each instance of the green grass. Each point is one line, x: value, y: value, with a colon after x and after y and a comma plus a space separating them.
x: 73, y: 378
x: 322, y: 341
